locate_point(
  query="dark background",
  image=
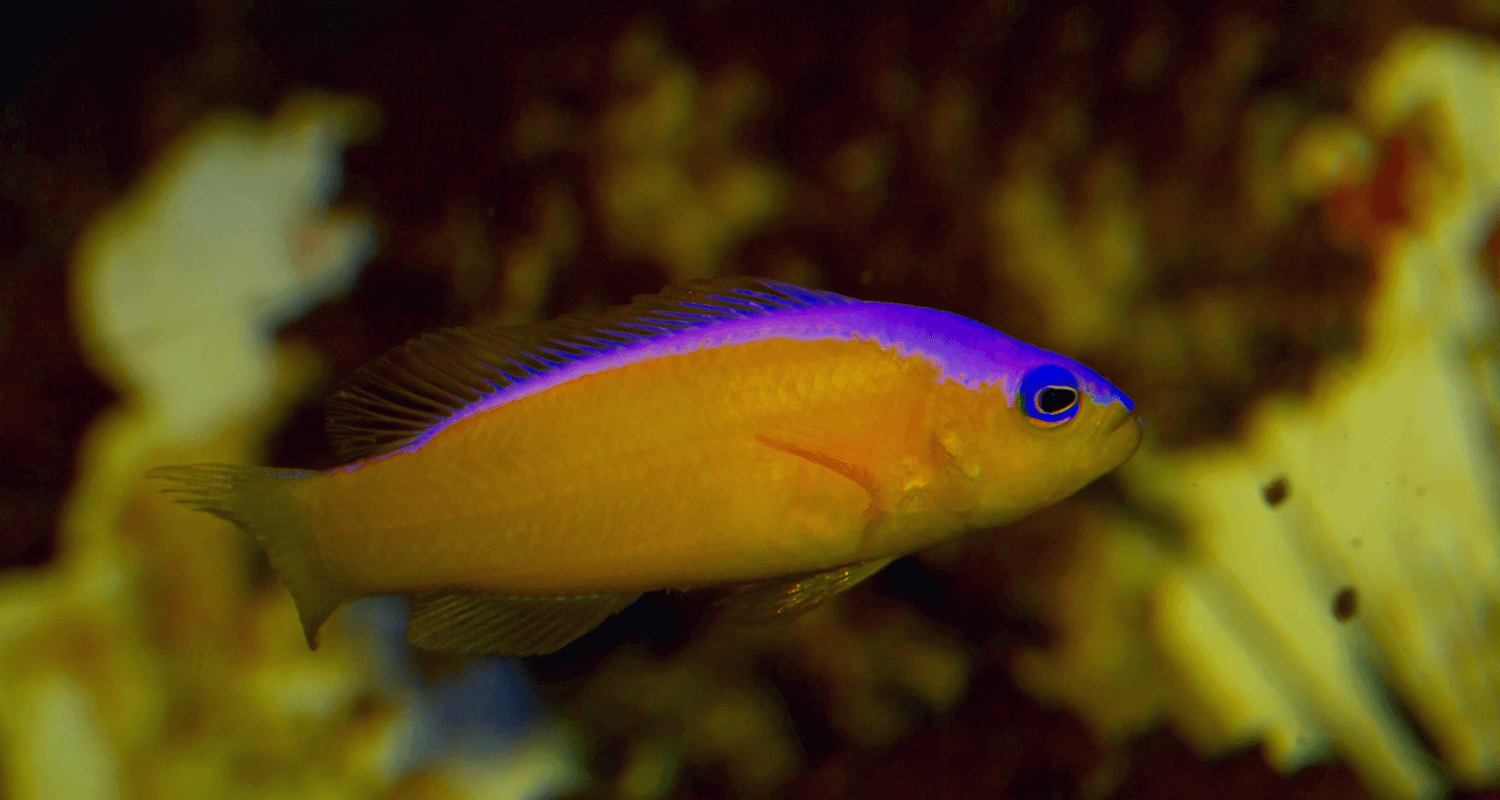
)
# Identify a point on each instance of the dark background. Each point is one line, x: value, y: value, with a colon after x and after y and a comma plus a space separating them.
x: 91, y: 91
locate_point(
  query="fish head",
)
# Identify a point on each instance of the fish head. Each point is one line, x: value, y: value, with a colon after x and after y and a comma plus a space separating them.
x: 1050, y: 429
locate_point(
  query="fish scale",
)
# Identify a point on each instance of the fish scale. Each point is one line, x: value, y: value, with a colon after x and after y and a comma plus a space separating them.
x: 587, y: 486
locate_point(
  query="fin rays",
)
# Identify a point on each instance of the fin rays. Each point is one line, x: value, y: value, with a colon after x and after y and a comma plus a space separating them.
x: 257, y: 501
x: 417, y: 386
x: 785, y: 599
x: 482, y: 624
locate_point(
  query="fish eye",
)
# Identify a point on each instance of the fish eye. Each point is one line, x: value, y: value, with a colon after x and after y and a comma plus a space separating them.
x: 1049, y: 395
x: 1055, y: 399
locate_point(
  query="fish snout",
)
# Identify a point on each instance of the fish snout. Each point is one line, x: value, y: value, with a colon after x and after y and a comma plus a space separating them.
x: 1115, y: 418
x: 1119, y: 433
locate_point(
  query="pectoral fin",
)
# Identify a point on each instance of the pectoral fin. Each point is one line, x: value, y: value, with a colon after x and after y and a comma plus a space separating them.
x: 826, y: 451
x: 785, y: 599
x: 481, y: 624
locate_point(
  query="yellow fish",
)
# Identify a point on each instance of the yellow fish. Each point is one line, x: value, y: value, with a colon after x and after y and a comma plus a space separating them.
x: 523, y: 484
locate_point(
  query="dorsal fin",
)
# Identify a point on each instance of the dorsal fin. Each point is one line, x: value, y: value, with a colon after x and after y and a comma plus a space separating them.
x: 404, y: 394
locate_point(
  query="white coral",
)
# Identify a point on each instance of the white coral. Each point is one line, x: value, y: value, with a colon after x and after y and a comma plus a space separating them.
x: 180, y: 286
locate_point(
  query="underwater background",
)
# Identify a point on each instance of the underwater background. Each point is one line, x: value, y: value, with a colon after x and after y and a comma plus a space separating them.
x: 1271, y: 224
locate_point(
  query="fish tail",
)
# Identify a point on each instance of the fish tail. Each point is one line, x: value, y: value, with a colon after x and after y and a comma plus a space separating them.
x: 263, y: 504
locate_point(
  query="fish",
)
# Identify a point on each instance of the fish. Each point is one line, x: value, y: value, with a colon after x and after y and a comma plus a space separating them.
x: 779, y: 444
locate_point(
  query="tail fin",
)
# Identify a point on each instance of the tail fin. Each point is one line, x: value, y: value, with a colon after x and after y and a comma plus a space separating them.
x: 261, y: 503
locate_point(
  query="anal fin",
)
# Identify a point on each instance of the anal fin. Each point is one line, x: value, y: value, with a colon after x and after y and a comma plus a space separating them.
x: 470, y: 623
x: 785, y: 599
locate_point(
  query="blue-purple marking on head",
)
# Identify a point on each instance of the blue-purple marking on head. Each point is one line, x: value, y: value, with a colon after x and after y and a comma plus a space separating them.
x: 964, y: 351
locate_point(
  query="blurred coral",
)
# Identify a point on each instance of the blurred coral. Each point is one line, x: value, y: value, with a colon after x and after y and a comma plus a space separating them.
x: 671, y: 185
x: 180, y: 285
x: 1350, y: 543
x: 1267, y: 239
x: 131, y: 661
x: 145, y: 661
x: 873, y: 672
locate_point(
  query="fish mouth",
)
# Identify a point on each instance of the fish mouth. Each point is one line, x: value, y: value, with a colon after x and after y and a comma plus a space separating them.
x: 1124, y: 431
x: 1113, y: 422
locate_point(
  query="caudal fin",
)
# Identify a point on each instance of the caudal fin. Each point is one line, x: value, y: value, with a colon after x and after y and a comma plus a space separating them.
x: 261, y: 502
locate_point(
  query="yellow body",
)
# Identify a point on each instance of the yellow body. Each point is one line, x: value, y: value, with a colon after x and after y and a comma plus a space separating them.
x: 713, y: 467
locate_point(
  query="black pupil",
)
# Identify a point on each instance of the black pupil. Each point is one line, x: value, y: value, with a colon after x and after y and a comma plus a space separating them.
x: 1054, y: 399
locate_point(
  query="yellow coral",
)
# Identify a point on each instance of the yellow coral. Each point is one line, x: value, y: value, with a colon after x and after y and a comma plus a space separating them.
x: 1350, y: 541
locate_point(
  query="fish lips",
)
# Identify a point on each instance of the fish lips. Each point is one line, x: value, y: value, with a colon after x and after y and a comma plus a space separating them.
x: 1120, y: 425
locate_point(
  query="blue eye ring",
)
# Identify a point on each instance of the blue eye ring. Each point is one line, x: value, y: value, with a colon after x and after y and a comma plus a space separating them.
x: 1049, y: 395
